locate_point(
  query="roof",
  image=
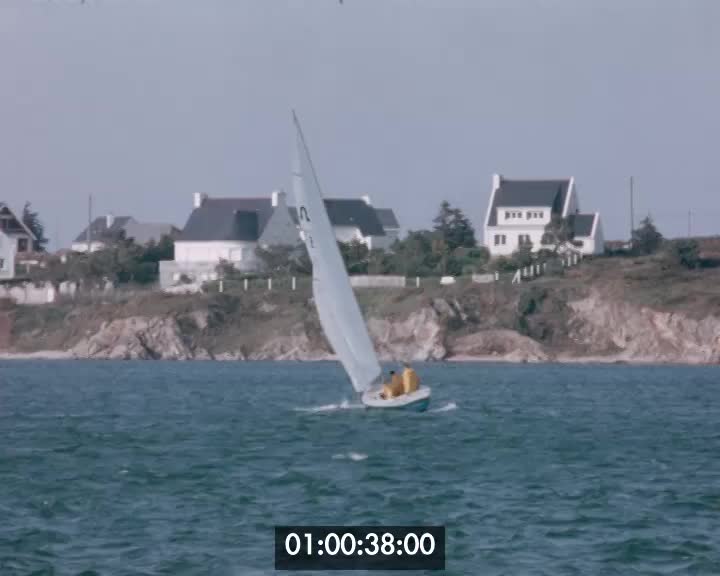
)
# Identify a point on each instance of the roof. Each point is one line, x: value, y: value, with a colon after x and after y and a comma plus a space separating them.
x: 529, y: 193
x: 99, y: 230
x: 387, y: 218
x: 144, y: 232
x: 581, y: 224
x: 351, y: 212
x: 23, y: 226
x: 242, y: 219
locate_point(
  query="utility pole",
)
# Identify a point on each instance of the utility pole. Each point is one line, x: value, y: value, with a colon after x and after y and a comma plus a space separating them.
x: 89, y: 233
x: 632, y: 208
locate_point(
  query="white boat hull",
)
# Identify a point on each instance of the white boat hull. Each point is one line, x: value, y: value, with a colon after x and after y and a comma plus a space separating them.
x: 417, y: 401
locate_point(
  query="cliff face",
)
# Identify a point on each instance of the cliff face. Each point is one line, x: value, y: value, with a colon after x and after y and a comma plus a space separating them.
x: 626, y: 332
x: 534, y: 323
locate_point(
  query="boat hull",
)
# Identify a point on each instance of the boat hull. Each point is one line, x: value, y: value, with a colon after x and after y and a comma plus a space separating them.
x: 417, y: 401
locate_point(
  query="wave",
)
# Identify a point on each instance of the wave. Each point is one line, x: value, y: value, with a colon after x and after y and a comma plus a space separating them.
x: 447, y: 408
x: 344, y: 405
x: 354, y: 456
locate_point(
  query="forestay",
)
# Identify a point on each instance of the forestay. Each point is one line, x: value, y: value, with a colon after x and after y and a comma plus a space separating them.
x: 335, y: 301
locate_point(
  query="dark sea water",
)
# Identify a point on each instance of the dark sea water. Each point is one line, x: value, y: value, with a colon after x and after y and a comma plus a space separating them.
x: 185, y: 468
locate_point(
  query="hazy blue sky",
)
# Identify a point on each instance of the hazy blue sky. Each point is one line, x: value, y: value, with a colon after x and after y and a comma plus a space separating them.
x: 143, y: 102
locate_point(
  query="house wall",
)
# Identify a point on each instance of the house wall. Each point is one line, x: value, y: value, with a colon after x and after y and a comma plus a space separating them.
x: 7, y: 257
x: 348, y: 234
x: 512, y: 234
x: 241, y: 253
x: 198, y: 272
x: 82, y: 246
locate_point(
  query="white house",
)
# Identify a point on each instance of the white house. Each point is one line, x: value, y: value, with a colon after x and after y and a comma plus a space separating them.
x: 17, y: 233
x: 106, y: 229
x: 7, y: 257
x: 519, y: 211
x: 230, y: 229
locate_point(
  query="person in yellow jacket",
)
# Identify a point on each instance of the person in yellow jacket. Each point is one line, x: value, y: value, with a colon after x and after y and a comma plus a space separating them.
x: 410, y: 379
x: 393, y: 388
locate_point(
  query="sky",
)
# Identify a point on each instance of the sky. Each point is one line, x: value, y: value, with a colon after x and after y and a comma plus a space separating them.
x: 141, y: 103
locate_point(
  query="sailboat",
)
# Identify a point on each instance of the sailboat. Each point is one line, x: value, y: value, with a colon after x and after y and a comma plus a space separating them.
x: 337, y: 307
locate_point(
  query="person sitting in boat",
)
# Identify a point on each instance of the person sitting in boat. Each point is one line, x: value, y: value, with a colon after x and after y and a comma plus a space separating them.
x: 410, y: 379
x: 393, y: 388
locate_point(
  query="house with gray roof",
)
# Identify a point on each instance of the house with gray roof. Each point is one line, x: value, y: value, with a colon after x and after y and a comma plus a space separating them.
x: 231, y: 229
x: 104, y: 230
x: 15, y: 229
x: 519, y: 211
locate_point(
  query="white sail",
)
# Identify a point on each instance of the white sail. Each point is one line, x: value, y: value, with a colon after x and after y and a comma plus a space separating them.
x: 337, y: 307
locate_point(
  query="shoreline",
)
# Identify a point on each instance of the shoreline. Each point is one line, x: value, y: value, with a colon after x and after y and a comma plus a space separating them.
x: 60, y: 355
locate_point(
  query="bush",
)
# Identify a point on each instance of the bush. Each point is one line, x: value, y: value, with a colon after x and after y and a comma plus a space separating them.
x: 685, y: 252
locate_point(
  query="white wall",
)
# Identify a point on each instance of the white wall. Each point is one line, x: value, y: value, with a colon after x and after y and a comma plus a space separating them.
x: 8, y: 246
x: 233, y: 251
x: 523, y: 220
x: 512, y: 233
x: 348, y: 234
x: 82, y: 246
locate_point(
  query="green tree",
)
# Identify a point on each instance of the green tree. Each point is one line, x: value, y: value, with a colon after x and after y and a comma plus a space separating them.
x: 523, y: 256
x: 557, y: 232
x: 356, y: 256
x: 414, y: 255
x: 646, y: 239
x: 686, y: 252
x: 454, y: 228
x: 31, y: 219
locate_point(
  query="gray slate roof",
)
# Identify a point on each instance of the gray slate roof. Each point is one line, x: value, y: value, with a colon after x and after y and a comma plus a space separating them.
x: 351, y: 212
x: 144, y: 232
x: 99, y: 230
x: 228, y: 219
x: 387, y: 218
x: 581, y: 224
x: 531, y: 193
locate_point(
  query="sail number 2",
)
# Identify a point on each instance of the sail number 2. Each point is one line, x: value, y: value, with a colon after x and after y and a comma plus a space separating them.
x: 360, y: 548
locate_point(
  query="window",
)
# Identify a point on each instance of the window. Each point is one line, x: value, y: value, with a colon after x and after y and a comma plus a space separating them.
x: 530, y: 215
x: 524, y: 239
x: 541, y: 214
x: 22, y: 245
x: 507, y: 215
x: 547, y: 239
x: 500, y: 239
x: 2, y: 263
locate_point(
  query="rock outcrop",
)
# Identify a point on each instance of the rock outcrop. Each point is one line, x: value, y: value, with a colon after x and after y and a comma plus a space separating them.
x: 138, y: 338
x: 419, y: 337
x: 295, y: 345
x: 506, y: 345
x: 625, y: 332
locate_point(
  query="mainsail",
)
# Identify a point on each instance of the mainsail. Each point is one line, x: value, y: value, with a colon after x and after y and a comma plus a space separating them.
x: 335, y: 301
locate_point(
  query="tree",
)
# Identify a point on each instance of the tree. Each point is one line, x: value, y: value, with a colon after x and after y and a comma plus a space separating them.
x: 356, y: 256
x: 557, y: 232
x: 414, y: 256
x: 31, y: 219
x: 646, y: 239
x: 454, y: 228
x: 686, y: 252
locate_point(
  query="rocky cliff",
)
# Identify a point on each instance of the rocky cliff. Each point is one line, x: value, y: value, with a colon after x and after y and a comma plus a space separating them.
x: 562, y: 321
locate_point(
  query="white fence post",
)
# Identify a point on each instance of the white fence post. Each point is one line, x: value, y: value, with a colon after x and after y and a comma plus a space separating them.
x: 269, y: 283
x: 293, y: 283
x: 516, y: 279
x: 417, y: 281
x: 497, y: 276
x: 220, y: 286
x: 245, y: 284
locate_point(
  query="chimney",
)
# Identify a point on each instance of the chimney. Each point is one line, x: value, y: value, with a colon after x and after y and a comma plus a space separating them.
x: 109, y: 220
x: 278, y: 197
x: 198, y: 199
x: 497, y: 179
x: 366, y: 199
